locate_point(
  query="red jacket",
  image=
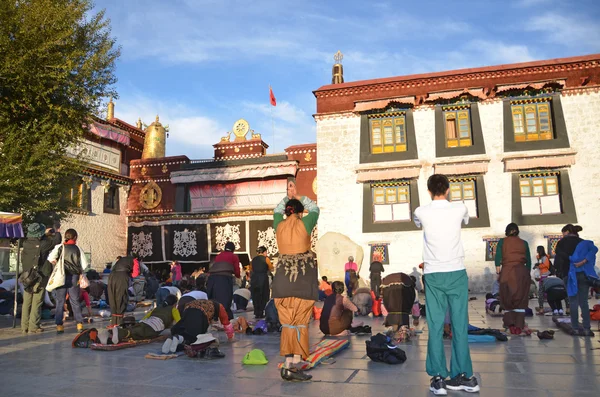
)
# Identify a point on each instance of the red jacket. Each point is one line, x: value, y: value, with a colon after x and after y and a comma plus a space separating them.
x: 232, y: 258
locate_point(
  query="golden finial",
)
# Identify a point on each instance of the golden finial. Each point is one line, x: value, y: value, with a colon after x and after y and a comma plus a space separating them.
x: 139, y: 123
x: 110, y: 114
x: 157, y: 118
x: 337, y: 73
x: 338, y: 57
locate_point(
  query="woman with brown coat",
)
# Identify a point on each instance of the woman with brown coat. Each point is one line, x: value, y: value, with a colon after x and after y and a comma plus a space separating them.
x: 513, y: 267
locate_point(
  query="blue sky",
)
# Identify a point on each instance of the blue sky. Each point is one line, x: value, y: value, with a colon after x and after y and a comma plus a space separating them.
x: 201, y: 65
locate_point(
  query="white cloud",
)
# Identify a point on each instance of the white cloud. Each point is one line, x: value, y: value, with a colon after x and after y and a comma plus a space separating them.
x: 190, y: 132
x: 496, y: 52
x: 574, y: 32
x: 284, y: 111
x: 290, y: 126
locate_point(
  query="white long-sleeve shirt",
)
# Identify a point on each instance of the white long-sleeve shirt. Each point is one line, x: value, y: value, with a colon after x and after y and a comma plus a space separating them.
x: 442, y: 246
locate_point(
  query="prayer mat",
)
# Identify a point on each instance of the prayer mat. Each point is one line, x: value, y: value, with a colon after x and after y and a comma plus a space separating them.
x: 481, y: 338
x: 492, y: 314
x: 323, y: 350
x: 162, y: 356
x: 127, y: 344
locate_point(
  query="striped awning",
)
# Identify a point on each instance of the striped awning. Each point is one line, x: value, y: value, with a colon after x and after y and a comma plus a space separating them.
x: 434, y: 96
x: 464, y: 168
x: 535, y: 85
x: 539, y: 161
x: 11, y: 225
x: 387, y: 172
x: 110, y: 132
x: 362, y: 106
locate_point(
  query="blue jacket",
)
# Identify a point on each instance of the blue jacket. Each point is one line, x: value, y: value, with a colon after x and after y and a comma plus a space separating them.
x: 584, y: 250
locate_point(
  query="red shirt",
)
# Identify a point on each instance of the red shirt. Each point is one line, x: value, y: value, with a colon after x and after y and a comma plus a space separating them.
x: 136, y: 268
x: 232, y: 258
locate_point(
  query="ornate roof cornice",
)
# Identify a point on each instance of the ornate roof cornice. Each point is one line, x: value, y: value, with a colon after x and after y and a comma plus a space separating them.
x: 576, y: 71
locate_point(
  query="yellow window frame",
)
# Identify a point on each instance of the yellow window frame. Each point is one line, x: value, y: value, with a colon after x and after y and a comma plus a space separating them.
x: 455, y: 117
x: 523, y: 114
x: 398, y: 139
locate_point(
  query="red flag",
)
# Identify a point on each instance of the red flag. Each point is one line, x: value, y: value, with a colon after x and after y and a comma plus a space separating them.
x: 272, y: 97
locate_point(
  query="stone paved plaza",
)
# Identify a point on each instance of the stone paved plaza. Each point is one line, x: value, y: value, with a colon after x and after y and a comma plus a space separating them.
x: 46, y: 365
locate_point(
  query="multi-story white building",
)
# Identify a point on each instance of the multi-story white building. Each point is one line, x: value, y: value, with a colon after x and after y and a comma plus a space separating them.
x: 99, y: 199
x: 520, y: 143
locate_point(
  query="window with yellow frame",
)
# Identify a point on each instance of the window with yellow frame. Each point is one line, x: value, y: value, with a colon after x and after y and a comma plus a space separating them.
x: 79, y: 197
x: 540, y: 194
x: 463, y: 189
x: 532, y: 186
x: 532, y: 121
x: 457, y: 125
x: 388, y: 134
x: 391, y: 202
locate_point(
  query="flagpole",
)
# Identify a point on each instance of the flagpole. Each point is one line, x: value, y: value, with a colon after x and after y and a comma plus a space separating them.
x: 272, y: 122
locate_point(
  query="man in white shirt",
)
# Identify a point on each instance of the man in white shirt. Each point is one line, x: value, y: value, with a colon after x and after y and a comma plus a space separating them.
x: 446, y: 286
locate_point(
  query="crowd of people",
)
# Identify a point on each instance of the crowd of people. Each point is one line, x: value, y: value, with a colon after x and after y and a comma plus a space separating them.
x: 189, y: 304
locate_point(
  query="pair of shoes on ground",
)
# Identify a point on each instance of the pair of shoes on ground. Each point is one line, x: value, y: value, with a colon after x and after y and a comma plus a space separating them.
x: 170, y: 345
x: 60, y: 329
x: 558, y: 313
x: 440, y: 387
x: 294, y: 375
x: 35, y: 331
x: 549, y: 334
x: 211, y: 353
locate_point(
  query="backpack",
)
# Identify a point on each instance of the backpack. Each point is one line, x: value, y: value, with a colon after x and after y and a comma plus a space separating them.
x: 380, y: 349
x: 30, y: 278
x: 552, y: 267
x: 595, y: 313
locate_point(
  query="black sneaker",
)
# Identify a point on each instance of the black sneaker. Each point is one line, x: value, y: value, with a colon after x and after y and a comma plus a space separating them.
x: 438, y: 386
x: 212, y: 353
x: 294, y: 375
x: 461, y: 382
x: 586, y: 332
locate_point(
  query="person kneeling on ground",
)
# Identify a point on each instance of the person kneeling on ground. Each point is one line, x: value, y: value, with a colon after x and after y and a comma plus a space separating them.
x: 556, y: 292
x: 363, y: 301
x: 166, y: 291
x: 149, y: 327
x: 196, y: 320
x: 192, y: 295
x: 491, y: 304
x: 241, y: 297
x: 336, y: 317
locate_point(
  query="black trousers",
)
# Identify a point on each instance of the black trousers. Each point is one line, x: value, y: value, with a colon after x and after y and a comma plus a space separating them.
x: 376, y: 284
x: 555, y: 297
x: 118, y: 297
x: 241, y: 303
x: 193, y: 323
x: 220, y: 288
x: 260, y: 296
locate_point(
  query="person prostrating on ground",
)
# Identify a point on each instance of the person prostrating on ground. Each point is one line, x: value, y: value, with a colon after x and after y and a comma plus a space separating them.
x: 446, y: 285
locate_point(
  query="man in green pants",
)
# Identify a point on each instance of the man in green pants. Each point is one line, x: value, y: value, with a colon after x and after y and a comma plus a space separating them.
x: 36, y: 248
x: 446, y: 287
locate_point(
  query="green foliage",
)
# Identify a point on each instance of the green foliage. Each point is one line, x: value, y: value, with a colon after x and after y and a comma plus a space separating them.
x: 57, y: 62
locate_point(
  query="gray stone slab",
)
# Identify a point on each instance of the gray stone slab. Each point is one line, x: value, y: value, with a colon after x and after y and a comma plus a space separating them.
x: 320, y: 389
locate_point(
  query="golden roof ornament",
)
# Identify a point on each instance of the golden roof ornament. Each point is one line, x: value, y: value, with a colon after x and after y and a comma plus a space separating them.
x: 155, y: 140
x: 337, y: 73
x: 110, y: 114
x: 240, y: 129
